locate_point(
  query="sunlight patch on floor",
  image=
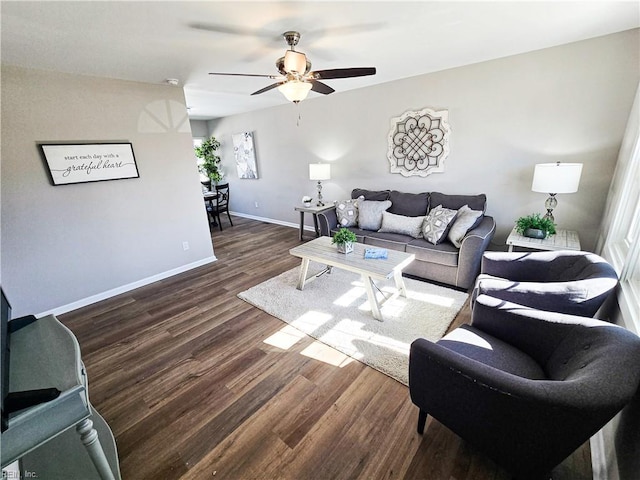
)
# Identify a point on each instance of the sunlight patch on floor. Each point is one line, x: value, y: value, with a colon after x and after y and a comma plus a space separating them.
x: 285, y: 338
x: 324, y: 353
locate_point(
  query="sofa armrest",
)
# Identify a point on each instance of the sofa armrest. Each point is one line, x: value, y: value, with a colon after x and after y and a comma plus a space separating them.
x: 473, y: 246
x: 327, y: 221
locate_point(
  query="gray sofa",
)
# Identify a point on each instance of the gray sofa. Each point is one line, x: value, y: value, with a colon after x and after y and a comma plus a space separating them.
x: 443, y: 262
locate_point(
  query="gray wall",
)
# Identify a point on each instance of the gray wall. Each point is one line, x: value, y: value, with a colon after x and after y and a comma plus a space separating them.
x: 567, y: 103
x: 63, y: 244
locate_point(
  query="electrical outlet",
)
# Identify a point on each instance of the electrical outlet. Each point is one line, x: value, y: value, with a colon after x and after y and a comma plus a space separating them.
x: 257, y: 206
x: 185, y: 246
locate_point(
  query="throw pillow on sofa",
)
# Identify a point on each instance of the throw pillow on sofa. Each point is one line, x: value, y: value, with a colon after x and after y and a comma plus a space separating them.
x: 437, y: 224
x: 370, y: 214
x: 347, y: 212
x: 393, y: 223
x: 465, y: 221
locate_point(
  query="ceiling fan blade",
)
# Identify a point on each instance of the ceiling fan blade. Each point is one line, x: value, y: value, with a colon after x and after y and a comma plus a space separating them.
x: 266, y: 89
x: 320, y: 87
x: 244, y: 75
x: 343, y: 73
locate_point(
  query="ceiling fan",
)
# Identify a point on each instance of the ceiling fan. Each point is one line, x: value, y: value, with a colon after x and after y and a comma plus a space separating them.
x: 296, y: 78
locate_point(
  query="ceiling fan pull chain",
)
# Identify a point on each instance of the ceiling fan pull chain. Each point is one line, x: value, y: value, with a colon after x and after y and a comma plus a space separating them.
x: 299, y: 115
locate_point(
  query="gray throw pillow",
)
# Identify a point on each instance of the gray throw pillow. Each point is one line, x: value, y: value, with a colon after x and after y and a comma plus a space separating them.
x: 347, y: 212
x: 393, y: 223
x: 437, y: 224
x: 464, y: 221
x: 370, y: 214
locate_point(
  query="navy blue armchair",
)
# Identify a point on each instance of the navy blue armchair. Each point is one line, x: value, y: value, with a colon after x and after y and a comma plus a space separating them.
x: 575, y: 283
x: 525, y: 386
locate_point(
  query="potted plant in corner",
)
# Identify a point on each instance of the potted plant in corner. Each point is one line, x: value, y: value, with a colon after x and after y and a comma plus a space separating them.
x: 535, y: 226
x: 344, y: 239
x: 210, y: 165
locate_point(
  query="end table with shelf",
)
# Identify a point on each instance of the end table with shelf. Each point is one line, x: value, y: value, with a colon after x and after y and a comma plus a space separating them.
x: 562, y: 240
x: 314, y: 210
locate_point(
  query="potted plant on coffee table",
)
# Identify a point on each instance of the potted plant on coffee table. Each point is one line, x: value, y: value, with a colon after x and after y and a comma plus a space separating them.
x: 535, y: 226
x: 344, y: 239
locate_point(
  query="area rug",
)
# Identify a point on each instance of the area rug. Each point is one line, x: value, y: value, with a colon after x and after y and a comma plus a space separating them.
x: 334, y: 310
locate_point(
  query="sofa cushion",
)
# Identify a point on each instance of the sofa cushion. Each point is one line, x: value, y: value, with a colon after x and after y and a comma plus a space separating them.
x: 391, y: 241
x: 465, y: 221
x: 409, y: 204
x: 437, y: 224
x: 347, y: 212
x: 370, y: 214
x: 376, y: 195
x: 455, y: 202
x: 442, y: 254
x: 411, y: 226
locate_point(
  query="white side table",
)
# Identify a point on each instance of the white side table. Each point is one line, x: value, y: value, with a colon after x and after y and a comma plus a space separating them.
x: 314, y: 210
x: 562, y: 240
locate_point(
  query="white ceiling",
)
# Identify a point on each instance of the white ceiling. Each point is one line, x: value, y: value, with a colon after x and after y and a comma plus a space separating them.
x: 153, y: 41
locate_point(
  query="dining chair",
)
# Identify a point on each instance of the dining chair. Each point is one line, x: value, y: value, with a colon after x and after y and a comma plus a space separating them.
x: 220, y: 204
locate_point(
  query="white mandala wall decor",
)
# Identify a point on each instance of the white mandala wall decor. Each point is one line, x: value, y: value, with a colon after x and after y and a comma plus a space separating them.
x: 419, y: 142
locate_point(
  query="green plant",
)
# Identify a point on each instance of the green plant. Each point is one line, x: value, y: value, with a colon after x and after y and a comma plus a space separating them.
x: 210, y: 165
x: 535, y: 220
x: 344, y: 235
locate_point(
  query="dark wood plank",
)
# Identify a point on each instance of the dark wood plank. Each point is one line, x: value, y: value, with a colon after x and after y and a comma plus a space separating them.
x: 181, y: 372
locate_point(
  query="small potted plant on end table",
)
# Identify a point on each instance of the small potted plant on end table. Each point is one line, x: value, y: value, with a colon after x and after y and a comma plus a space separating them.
x: 344, y: 239
x: 535, y: 226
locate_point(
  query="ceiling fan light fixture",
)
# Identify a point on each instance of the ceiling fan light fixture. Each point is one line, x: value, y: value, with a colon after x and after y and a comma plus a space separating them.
x: 295, y: 62
x: 294, y: 90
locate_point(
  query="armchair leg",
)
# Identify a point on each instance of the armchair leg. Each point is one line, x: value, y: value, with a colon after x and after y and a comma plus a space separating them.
x: 422, y: 420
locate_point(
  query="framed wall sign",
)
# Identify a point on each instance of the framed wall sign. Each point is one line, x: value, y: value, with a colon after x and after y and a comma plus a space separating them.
x: 89, y: 162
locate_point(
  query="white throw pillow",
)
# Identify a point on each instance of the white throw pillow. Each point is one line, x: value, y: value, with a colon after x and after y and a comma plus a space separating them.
x: 465, y: 219
x: 370, y: 214
x: 437, y: 224
x: 393, y: 223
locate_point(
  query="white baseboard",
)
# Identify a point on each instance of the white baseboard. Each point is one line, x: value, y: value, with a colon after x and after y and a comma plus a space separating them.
x: 271, y: 220
x: 126, y: 288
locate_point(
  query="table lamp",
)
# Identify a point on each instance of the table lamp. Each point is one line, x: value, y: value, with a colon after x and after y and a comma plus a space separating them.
x: 319, y: 172
x: 554, y: 178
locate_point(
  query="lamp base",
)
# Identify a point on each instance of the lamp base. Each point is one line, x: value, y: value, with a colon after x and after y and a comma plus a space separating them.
x: 319, y: 203
x: 550, y: 204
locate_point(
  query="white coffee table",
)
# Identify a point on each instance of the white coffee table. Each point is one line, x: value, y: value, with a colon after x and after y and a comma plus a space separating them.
x: 321, y: 250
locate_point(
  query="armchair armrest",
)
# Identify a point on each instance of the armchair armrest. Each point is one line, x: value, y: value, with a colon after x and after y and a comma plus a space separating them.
x: 473, y: 246
x: 327, y: 221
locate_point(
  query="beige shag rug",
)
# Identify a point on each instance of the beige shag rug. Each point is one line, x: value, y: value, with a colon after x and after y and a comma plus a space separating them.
x: 334, y: 310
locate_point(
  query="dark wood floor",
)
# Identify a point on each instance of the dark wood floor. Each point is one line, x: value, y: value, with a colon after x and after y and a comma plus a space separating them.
x: 180, y: 371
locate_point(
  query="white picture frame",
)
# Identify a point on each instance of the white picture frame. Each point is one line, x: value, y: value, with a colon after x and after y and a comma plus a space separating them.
x: 244, y: 152
x: 89, y: 162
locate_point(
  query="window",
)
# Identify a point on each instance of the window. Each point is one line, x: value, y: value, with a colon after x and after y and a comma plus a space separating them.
x: 620, y: 242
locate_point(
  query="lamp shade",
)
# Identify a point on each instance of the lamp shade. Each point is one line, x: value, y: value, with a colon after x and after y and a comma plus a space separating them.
x: 319, y: 171
x: 295, y: 90
x: 556, y: 177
